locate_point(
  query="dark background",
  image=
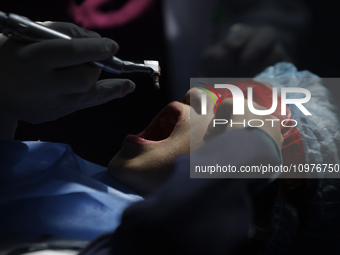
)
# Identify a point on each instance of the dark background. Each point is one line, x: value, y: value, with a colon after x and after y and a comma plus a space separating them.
x: 96, y: 134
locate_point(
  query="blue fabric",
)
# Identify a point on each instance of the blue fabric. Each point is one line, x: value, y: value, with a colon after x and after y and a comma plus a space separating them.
x: 45, y: 189
x: 195, y: 215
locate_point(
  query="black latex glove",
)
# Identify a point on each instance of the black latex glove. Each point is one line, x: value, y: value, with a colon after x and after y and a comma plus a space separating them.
x: 245, y: 51
x: 46, y: 80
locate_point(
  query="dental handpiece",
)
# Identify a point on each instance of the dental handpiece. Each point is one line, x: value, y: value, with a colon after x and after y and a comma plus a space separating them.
x: 23, y: 29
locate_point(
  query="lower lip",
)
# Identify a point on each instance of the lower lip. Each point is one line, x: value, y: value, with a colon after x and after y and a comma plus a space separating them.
x: 137, y: 139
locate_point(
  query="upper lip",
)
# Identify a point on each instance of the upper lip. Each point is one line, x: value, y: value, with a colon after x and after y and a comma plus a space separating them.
x: 163, y: 125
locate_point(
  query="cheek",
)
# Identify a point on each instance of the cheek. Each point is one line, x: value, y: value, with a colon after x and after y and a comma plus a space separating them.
x: 198, y: 130
x: 177, y: 145
x: 196, y: 138
x: 183, y: 144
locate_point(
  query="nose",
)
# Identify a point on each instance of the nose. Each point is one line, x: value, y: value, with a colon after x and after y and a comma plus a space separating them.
x: 194, y: 98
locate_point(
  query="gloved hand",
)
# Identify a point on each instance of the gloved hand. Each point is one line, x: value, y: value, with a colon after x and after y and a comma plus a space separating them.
x: 46, y: 80
x: 245, y: 51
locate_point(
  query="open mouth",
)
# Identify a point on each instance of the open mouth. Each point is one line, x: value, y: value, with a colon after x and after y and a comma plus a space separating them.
x: 162, y: 125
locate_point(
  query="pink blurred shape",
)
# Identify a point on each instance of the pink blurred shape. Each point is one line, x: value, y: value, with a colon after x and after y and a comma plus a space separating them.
x: 88, y: 14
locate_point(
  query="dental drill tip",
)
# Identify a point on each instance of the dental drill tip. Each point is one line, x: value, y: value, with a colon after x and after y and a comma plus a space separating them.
x: 155, y: 71
x: 156, y: 81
